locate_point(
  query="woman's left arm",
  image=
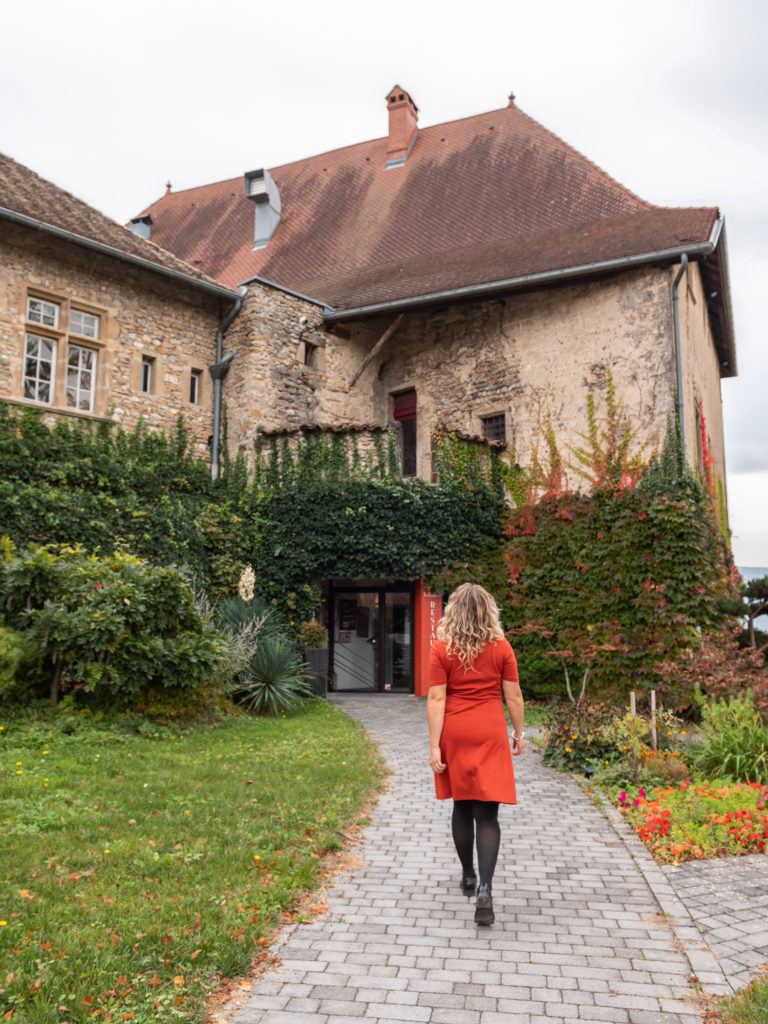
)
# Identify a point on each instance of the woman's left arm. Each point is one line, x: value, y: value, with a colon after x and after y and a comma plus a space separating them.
x: 435, y: 717
x: 513, y: 698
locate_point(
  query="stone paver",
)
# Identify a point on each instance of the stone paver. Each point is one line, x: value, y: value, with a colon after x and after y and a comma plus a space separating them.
x: 588, y: 927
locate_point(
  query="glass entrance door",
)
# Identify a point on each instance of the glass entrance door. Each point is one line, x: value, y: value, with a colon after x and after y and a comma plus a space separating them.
x: 356, y: 640
x: 372, y: 639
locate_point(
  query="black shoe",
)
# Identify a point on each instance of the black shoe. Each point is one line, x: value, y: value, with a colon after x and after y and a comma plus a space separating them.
x: 468, y: 885
x: 484, y: 908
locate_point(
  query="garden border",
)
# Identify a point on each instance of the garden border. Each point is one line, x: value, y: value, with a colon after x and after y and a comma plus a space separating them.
x: 705, y: 965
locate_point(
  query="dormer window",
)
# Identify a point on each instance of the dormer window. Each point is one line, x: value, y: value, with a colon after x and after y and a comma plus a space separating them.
x: 261, y: 189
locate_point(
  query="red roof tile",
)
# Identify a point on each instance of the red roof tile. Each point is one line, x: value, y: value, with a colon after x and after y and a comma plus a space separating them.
x: 489, y: 197
x: 26, y: 194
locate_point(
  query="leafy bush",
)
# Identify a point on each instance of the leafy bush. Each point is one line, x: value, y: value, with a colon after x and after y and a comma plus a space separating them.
x: 735, y: 742
x: 111, y: 625
x: 313, y: 635
x: 720, y: 667
x: 18, y: 661
x: 578, y: 737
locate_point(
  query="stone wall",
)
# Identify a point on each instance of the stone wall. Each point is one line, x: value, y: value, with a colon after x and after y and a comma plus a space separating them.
x: 701, y: 373
x: 534, y: 358
x: 288, y: 371
x: 531, y: 357
x: 140, y: 314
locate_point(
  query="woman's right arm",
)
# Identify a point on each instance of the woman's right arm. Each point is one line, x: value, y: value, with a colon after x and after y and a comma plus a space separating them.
x: 435, y: 718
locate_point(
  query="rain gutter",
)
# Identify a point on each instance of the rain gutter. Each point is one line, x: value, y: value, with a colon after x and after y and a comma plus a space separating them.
x: 529, y: 280
x: 118, y: 254
x: 218, y: 372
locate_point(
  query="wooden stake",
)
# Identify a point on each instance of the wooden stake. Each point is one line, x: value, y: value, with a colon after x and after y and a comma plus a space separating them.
x: 654, y: 742
x: 632, y: 704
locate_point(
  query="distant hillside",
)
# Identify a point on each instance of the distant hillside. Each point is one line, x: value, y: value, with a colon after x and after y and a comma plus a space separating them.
x: 751, y: 572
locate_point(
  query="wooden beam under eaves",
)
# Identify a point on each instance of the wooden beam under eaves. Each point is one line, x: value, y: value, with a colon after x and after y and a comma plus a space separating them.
x: 377, y: 348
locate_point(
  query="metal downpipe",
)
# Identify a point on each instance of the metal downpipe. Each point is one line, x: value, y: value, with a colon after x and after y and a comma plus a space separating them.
x: 678, y: 356
x: 218, y: 372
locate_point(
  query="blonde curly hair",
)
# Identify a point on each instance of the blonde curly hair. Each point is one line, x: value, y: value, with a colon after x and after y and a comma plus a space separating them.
x: 469, y: 623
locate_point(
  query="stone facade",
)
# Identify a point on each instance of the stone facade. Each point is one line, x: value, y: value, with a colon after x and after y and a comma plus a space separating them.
x: 134, y: 316
x: 702, y: 404
x: 530, y: 357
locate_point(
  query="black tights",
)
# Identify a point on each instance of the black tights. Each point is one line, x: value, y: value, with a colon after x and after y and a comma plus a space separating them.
x: 477, y: 820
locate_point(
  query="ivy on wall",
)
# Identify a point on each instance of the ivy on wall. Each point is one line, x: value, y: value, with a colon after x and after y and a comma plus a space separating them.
x: 364, y: 529
x: 321, y: 504
x: 139, y: 491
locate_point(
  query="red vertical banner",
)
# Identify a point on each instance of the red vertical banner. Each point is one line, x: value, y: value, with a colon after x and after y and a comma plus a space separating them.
x: 429, y: 609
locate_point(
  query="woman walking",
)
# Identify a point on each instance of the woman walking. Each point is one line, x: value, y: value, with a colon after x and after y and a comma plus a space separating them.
x: 471, y: 667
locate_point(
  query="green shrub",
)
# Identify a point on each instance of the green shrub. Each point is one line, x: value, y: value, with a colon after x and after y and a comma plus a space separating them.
x: 735, y: 742
x: 578, y: 737
x: 313, y: 635
x: 109, y: 625
x: 18, y: 662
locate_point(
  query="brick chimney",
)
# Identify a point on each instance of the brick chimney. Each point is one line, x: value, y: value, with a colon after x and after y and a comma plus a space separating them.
x: 403, y: 126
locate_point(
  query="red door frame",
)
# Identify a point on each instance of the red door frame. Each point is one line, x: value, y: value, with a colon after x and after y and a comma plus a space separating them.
x: 427, y: 613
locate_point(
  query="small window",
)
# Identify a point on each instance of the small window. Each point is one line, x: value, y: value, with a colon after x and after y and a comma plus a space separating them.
x: 81, y: 373
x: 85, y: 324
x: 405, y: 413
x: 309, y: 354
x: 495, y: 428
x: 41, y: 312
x: 39, y: 365
x: 195, y: 378
x: 147, y: 374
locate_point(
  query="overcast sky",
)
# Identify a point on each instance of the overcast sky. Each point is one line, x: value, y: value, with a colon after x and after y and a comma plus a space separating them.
x: 110, y: 101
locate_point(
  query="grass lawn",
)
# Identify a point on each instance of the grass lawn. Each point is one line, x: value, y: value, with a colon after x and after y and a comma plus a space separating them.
x: 136, y: 870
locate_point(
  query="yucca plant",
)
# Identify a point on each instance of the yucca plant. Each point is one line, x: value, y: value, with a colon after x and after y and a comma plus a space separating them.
x: 275, y: 680
x: 237, y: 615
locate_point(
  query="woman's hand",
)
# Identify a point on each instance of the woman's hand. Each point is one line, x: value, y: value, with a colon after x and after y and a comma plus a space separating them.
x: 518, y: 745
x: 436, y: 762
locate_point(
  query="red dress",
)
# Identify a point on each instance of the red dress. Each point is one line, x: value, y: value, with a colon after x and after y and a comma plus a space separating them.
x: 474, y: 742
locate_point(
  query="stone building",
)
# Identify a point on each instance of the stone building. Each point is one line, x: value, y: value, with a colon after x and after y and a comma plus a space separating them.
x: 479, y: 275
x: 96, y: 322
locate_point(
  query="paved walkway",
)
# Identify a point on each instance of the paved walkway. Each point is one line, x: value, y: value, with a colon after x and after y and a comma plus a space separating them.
x: 588, y: 928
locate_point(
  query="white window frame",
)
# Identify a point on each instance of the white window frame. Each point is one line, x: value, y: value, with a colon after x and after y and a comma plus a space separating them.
x: 89, y: 323
x: 195, y: 386
x: 43, y: 312
x: 36, y: 380
x: 77, y: 391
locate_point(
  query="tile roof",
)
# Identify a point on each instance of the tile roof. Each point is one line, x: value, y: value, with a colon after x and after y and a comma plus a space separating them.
x: 485, y: 199
x: 496, y: 187
x: 27, y: 197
